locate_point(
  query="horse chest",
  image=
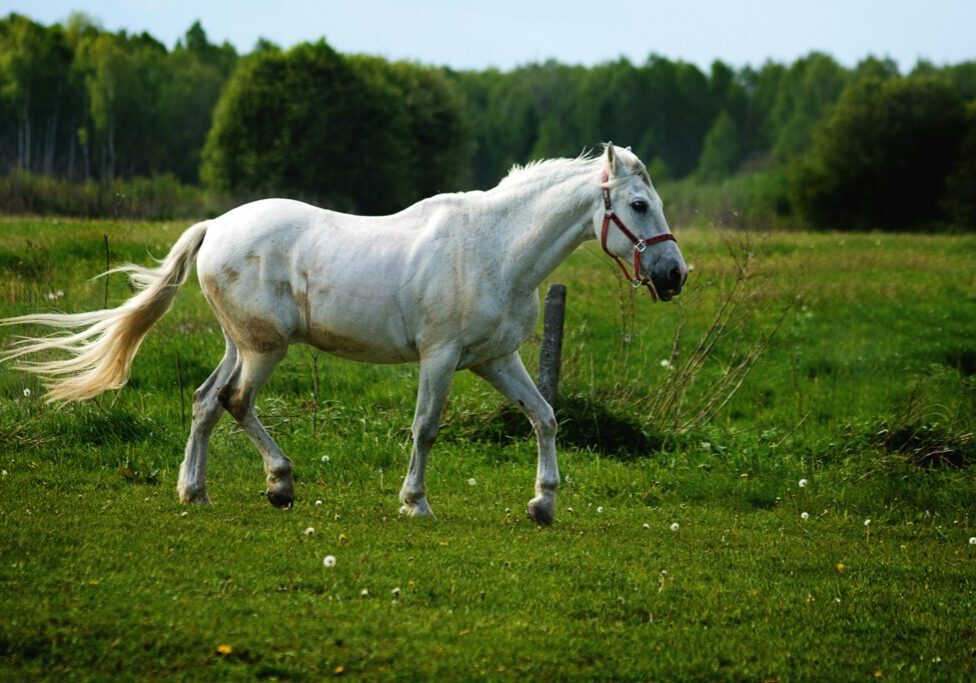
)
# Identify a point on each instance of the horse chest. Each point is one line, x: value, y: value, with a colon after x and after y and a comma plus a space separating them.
x: 498, y: 328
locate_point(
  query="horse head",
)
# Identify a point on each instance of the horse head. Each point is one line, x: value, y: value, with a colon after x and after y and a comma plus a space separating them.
x: 639, y: 232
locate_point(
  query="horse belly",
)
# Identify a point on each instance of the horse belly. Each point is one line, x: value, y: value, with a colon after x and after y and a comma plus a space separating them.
x: 357, y: 347
x: 371, y: 333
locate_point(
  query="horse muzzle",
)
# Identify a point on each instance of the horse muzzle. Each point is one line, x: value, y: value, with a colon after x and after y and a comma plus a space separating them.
x: 668, y: 278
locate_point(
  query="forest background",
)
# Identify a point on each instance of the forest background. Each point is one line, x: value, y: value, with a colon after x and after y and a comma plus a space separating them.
x: 112, y: 124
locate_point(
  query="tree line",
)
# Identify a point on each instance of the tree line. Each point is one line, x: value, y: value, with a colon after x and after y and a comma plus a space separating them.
x: 812, y: 143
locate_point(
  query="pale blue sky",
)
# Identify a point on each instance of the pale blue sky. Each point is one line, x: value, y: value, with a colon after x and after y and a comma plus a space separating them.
x: 507, y: 33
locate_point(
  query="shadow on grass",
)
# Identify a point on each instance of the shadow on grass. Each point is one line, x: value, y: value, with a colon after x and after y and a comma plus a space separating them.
x: 583, y: 424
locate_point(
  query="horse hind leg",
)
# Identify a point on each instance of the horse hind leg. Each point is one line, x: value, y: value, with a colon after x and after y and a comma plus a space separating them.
x: 192, y: 486
x: 237, y: 396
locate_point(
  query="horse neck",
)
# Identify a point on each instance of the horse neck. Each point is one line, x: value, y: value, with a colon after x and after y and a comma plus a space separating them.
x: 549, y: 222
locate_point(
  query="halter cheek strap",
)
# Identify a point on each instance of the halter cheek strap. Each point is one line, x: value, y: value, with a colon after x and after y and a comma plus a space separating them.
x: 639, y: 244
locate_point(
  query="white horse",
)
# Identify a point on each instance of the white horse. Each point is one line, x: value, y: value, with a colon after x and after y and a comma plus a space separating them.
x: 451, y: 282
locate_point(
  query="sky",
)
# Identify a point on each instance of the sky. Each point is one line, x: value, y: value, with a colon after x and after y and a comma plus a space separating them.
x: 509, y: 33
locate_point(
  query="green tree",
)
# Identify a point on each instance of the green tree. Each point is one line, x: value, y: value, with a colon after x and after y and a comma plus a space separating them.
x: 194, y: 75
x: 881, y: 156
x: 307, y: 124
x: 37, y: 95
x: 722, y: 149
x: 437, y: 143
x: 804, y: 91
x: 959, y: 200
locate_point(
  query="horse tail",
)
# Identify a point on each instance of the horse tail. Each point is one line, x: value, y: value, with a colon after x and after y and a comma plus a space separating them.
x: 101, y: 353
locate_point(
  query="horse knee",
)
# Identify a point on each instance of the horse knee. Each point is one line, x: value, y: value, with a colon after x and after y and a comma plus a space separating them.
x: 545, y: 424
x: 425, y: 433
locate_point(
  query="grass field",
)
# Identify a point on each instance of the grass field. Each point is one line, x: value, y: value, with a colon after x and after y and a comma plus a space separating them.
x: 680, y: 549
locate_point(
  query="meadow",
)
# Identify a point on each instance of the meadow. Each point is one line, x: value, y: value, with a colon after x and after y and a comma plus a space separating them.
x: 770, y: 478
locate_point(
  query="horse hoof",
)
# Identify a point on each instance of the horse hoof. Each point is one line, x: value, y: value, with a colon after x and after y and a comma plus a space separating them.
x: 198, y: 497
x: 418, y: 509
x: 540, y: 511
x: 280, y: 500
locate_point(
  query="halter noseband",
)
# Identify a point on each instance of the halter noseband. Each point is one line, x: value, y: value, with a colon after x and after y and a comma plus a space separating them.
x: 639, y: 244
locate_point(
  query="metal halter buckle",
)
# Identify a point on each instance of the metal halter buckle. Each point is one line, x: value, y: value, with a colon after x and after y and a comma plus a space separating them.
x: 640, y: 246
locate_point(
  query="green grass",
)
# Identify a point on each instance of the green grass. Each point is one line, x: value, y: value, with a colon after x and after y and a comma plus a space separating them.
x: 866, y: 391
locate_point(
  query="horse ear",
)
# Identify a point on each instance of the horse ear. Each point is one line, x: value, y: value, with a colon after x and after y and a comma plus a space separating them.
x: 612, y: 162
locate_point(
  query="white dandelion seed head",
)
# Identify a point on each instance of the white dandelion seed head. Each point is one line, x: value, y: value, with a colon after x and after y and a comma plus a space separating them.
x: 646, y: 525
x: 27, y: 392
x: 802, y: 483
x: 318, y: 502
x: 972, y: 541
x: 599, y: 508
x: 324, y: 458
x: 309, y: 531
x: 472, y: 481
x: 867, y: 522
x: 804, y: 516
x: 395, y: 592
x: 364, y: 592
x: 329, y: 561
x: 665, y: 363
x: 674, y: 526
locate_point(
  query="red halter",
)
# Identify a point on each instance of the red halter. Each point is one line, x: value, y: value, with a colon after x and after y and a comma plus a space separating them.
x: 639, y: 244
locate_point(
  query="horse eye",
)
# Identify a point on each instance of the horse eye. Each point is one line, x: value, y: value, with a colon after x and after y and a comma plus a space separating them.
x: 639, y: 205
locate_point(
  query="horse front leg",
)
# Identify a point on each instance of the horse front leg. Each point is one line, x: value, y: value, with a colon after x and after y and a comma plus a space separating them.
x: 509, y: 376
x: 436, y: 371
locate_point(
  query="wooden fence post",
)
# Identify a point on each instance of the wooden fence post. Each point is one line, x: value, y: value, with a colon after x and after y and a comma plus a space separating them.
x: 552, y: 342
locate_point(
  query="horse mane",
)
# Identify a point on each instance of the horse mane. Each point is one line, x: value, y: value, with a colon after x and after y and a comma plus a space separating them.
x: 548, y: 169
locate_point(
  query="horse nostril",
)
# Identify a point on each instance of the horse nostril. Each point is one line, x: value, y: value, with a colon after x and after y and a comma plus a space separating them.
x: 674, y: 277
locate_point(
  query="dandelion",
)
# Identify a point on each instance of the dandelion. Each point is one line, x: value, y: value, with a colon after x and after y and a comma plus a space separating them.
x: 309, y: 531
x: 839, y: 567
x: 27, y: 392
x: 224, y: 649
x: 802, y: 483
x: 472, y: 481
x: 665, y: 363
x: 646, y: 525
x: 674, y: 526
x: 569, y: 509
x: 867, y: 522
x: 395, y: 593
x: 184, y: 514
x: 972, y: 540
x: 325, y: 458
x: 364, y: 593
x: 329, y: 561
x: 599, y: 509
x: 804, y: 516
x: 318, y: 502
